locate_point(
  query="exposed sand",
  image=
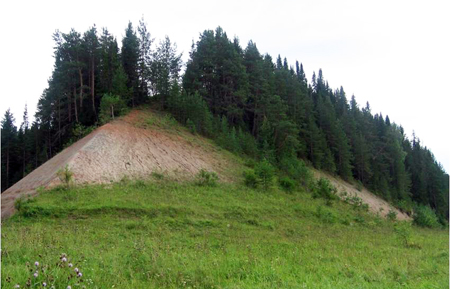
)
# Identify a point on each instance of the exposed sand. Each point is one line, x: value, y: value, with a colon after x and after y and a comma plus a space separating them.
x: 119, y: 149
x: 376, y: 204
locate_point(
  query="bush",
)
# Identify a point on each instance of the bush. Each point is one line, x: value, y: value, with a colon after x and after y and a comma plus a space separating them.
x: 324, y: 189
x: 265, y: 173
x: 297, y: 170
x: 191, y: 126
x: 65, y: 176
x: 392, y: 215
x: 287, y: 184
x: 404, y: 232
x: 424, y: 216
x: 406, y: 207
x: 205, y: 178
x: 250, y: 179
x: 325, y: 215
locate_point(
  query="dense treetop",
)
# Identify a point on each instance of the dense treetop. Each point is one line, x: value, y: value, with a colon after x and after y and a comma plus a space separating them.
x: 249, y: 102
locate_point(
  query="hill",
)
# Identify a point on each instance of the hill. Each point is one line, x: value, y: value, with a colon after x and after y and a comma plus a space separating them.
x: 138, y: 219
x: 145, y: 142
x: 134, y: 146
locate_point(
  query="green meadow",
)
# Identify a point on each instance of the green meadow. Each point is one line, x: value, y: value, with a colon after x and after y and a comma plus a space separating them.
x: 165, y: 234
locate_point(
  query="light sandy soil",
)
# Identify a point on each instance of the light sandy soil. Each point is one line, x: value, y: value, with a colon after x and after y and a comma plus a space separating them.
x: 120, y: 149
x: 376, y: 204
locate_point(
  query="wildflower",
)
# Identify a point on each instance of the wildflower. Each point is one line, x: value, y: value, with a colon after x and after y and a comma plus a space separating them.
x: 35, y: 274
x: 36, y: 263
x: 70, y: 265
x: 69, y: 287
x: 79, y: 274
x: 44, y: 284
x: 76, y: 270
x: 17, y: 286
x: 64, y: 259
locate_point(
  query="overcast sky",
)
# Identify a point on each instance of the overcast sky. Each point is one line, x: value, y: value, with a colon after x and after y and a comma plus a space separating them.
x: 394, y: 54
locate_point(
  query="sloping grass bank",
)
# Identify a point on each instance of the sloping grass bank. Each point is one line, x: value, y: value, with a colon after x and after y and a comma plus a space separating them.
x: 165, y: 234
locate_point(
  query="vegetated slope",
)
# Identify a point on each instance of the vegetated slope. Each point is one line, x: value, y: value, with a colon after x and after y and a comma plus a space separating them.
x: 135, y: 146
x: 165, y: 234
x: 145, y: 142
x: 376, y: 204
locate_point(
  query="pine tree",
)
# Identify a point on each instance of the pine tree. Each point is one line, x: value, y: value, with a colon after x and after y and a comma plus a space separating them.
x: 130, y: 58
x: 9, y: 136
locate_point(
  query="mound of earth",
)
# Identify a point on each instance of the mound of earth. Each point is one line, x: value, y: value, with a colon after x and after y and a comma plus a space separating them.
x: 376, y: 204
x: 134, y: 146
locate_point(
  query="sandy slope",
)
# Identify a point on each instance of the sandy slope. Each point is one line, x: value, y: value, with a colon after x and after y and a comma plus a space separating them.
x: 119, y: 149
x: 376, y: 204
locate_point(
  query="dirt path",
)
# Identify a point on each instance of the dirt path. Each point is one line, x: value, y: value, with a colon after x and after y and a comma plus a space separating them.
x: 376, y: 204
x: 119, y: 149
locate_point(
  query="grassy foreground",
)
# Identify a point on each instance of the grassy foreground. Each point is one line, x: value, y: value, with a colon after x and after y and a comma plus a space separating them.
x: 165, y: 234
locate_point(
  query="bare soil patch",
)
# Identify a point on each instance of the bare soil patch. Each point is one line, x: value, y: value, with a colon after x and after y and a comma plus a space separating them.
x: 121, y: 149
x: 376, y: 204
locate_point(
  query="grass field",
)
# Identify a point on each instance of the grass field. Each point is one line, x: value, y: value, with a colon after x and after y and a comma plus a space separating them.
x: 163, y: 234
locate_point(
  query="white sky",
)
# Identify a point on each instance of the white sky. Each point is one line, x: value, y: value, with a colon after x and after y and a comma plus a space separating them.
x: 394, y: 54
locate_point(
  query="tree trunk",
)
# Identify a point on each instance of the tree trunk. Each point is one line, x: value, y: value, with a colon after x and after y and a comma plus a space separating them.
x: 69, y: 104
x: 75, y: 103
x: 112, y: 111
x: 81, y: 87
x: 7, y: 167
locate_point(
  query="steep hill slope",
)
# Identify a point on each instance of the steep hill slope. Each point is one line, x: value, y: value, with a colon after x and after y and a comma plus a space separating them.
x: 135, y: 146
x: 145, y: 142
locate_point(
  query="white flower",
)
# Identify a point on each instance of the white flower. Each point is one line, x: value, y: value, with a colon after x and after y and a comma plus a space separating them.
x: 76, y: 270
x: 36, y: 263
x: 44, y: 284
x: 35, y: 274
x: 70, y: 265
x: 17, y: 286
x: 64, y: 259
x: 69, y: 287
x: 79, y: 274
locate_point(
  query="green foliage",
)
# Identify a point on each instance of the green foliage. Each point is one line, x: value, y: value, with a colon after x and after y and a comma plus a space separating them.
x: 404, y: 232
x: 111, y: 106
x: 424, y: 216
x: 392, y: 215
x: 297, y: 170
x: 65, y: 176
x: 324, y: 189
x: 158, y: 228
x: 191, y: 126
x: 287, y: 184
x: 205, y: 178
x: 265, y: 173
x: 250, y: 179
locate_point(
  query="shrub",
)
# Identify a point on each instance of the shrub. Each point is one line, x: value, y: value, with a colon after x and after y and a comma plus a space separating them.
x: 205, y: 178
x: 392, y: 215
x: 297, y: 170
x: 325, y: 215
x: 265, y: 173
x: 158, y: 176
x: 405, y: 206
x: 287, y: 184
x: 250, y: 179
x: 324, y: 189
x: 191, y: 126
x: 424, y: 216
x: 65, y: 176
x: 404, y: 232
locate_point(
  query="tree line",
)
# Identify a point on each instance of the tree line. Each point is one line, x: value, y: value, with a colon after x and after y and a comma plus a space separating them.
x: 247, y: 101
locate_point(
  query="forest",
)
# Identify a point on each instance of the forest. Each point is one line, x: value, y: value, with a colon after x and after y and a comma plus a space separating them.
x: 249, y: 102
